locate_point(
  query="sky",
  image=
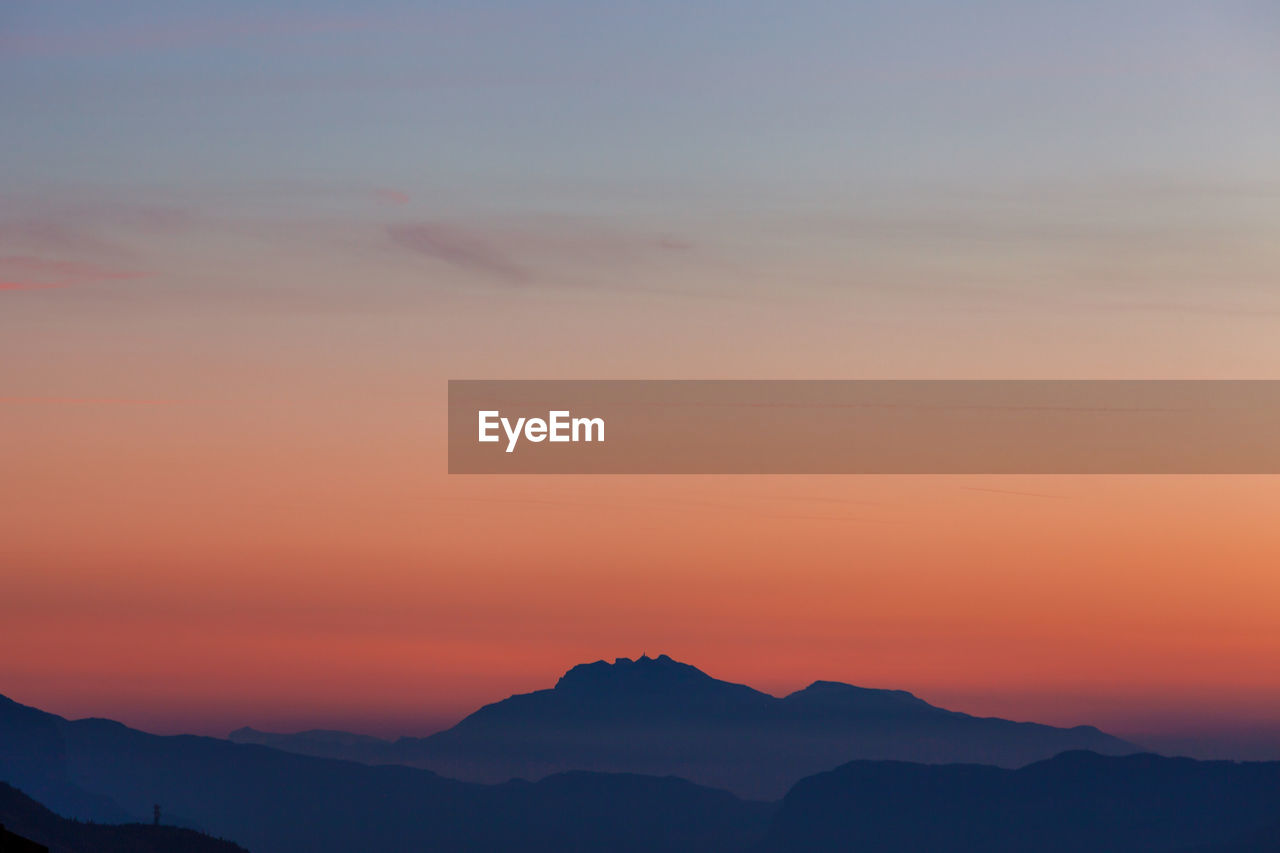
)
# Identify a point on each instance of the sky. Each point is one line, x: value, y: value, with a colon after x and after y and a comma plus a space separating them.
x: 243, y: 246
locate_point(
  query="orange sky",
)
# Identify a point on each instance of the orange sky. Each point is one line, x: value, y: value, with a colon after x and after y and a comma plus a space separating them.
x: 237, y: 272
x: 291, y: 562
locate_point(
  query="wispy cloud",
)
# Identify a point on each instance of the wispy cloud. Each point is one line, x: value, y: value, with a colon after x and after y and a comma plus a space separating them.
x: 25, y: 272
x: 62, y: 234
x: 549, y: 248
x: 457, y: 246
x: 86, y: 227
x: 387, y: 195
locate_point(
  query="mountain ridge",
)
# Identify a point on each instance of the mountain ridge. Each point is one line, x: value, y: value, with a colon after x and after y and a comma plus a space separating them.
x: 280, y: 802
x: 277, y: 802
x: 1073, y: 802
x: 660, y: 716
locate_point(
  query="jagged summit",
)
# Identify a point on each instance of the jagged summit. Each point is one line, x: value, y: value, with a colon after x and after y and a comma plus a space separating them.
x: 646, y: 685
x: 644, y: 668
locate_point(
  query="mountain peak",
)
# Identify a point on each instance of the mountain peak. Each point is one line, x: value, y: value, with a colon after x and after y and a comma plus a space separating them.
x: 841, y: 697
x: 644, y: 669
x: 840, y: 687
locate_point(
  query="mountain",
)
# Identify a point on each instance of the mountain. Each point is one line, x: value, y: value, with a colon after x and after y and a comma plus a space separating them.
x: 1077, y: 802
x: 322, y: 743
x: 278, y: 802
x: 661, y: 717
x: 23, y: 816
x: 33, y: 755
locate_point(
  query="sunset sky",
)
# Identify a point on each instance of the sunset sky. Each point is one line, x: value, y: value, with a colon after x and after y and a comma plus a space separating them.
x: 243, y: 247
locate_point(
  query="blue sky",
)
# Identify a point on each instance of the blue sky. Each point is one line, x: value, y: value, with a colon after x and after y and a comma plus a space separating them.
x: 498, y: 99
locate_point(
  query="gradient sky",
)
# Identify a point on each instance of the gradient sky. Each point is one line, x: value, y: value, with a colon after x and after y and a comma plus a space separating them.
x: 244, y: 245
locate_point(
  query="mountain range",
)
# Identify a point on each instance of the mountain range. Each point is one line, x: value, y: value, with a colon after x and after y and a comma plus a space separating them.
x: 278, y: 802
x: 1077, y: 801
x: 275, y: 801
x: 658, y: 716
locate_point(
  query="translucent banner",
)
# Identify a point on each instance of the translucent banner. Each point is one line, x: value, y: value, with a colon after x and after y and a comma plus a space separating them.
x: 864, y: 427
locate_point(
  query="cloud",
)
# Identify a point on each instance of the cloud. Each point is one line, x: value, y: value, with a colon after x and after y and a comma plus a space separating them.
x: 93, y: 228
x: 56, y: 235
x: 26, y: 272
x: 387, y: 195
x: 560, y: 249
x: 457, y: 246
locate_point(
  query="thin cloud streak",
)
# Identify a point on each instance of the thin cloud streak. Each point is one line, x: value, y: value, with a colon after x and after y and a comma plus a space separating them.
x: 27, y: 272
x: 457, y: 246
x: 535, y: 248
x: 387, y: 195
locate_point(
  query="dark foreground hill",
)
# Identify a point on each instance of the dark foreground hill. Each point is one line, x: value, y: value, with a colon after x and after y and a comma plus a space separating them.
x: 277, y: 802
x: 660, y: 717
x: 1078, y: 802
x: 1263, y: 840
x: 23, y: 816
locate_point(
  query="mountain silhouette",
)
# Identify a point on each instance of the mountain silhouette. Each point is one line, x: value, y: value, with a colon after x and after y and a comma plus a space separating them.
x: 34, y: 757
x: 658, y: 716
x: 278, y: 802
x: 322, y: 743
x: 1077, y: 802
x: 42, y: 829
